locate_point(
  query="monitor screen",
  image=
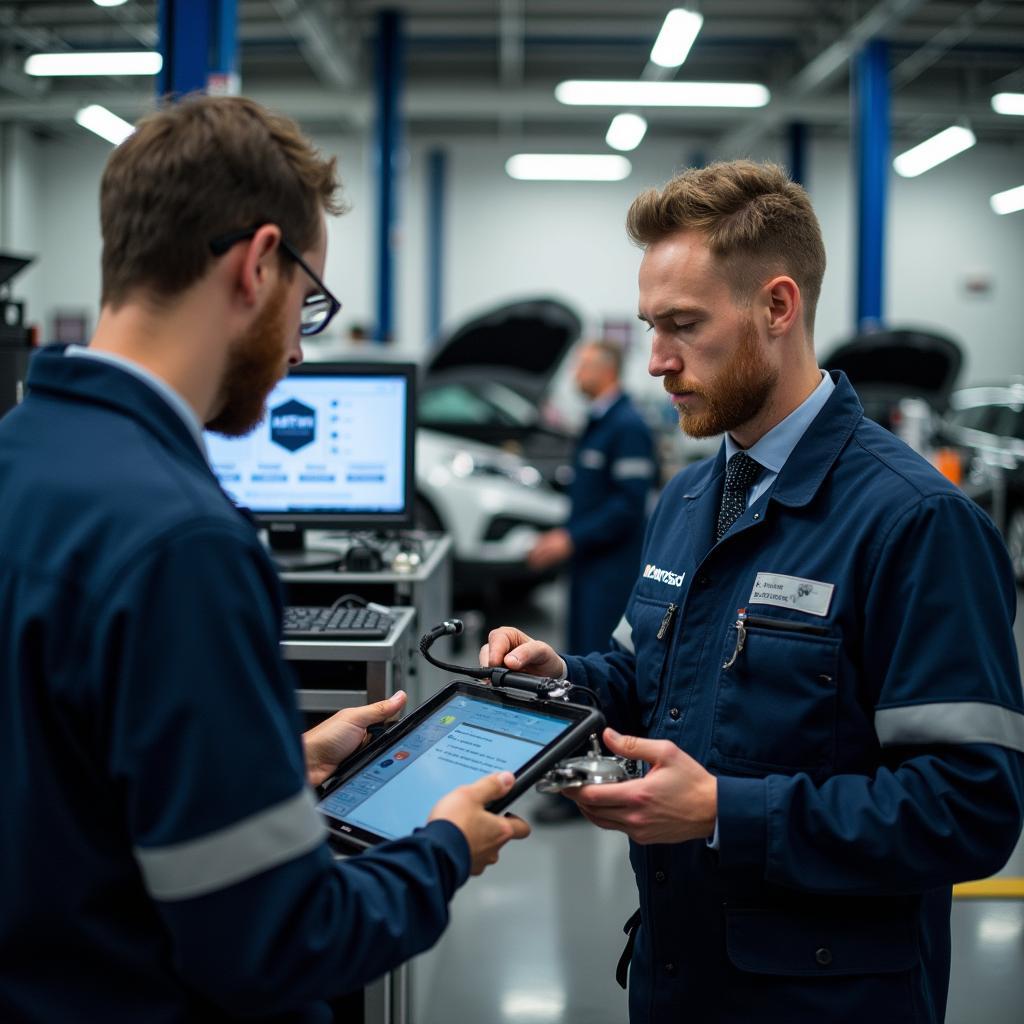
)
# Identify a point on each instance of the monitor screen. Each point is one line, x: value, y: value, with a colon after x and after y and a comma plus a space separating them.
x: 335, y: 449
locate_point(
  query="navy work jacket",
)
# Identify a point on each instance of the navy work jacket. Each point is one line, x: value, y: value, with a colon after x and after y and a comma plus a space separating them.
x: 614, y: 471
x: 867, y: 734
x: 160, y: 856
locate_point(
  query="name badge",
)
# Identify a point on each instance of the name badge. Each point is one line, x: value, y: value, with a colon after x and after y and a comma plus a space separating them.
x: 808, y: 596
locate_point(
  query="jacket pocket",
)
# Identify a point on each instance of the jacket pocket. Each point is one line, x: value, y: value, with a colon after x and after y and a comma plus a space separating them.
x: 778, y: 942
x: 652, y: 623
x: 777, y: 698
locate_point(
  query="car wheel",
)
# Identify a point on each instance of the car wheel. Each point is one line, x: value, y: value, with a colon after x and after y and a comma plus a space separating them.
x: 1015, y: 541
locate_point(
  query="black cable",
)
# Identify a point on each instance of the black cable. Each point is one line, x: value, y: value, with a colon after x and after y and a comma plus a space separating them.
x: 349, y: 600
x: 576, y: 688
x: 450, y: 627
x: 501, y: 677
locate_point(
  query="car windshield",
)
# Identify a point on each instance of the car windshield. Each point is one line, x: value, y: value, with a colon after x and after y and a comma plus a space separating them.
x: 1009, y: 421
x: 481, y: 404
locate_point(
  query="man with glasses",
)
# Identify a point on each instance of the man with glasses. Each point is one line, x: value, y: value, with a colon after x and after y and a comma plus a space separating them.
x: 162, y: 859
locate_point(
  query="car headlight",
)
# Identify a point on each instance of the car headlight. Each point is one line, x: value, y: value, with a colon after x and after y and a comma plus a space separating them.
x: 465, y: 464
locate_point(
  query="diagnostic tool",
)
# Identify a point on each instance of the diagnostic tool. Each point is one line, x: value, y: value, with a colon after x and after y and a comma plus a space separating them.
x: 594, y: 768
x: 464, y: 732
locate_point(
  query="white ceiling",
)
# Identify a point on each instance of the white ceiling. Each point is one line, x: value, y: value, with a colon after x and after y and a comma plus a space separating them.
x: 488, y: 66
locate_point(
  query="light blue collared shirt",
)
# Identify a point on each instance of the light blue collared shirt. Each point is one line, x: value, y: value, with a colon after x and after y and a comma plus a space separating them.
x: 161, y: 387
x: 772, y: 450
x: 599, y: 406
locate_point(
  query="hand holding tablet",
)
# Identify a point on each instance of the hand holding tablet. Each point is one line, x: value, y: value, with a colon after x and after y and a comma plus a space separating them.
x: 461, y: 737
x: 485, y: 832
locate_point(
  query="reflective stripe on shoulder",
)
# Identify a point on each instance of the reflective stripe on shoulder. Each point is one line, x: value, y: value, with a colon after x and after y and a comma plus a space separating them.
x: 951, y: 722
x: 181, y: 871
x: 623, y: 633
x: 632, y: 469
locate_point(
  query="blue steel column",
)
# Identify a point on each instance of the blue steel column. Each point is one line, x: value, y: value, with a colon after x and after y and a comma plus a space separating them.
x: 437, y: 169
x: 871, y: 111
x: 388, y: 147
x: 798, y: 152
x: 199, y: 44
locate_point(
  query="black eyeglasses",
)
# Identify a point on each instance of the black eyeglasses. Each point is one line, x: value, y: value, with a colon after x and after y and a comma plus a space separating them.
x: 318, y: 309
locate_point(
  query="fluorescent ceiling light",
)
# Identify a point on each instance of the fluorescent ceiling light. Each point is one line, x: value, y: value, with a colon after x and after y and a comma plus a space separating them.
x: 1008, y: 103
x: 577, y: 92
x: 109, y: 3
x: 626, y: 132
x: 567, y: 167
x: 676, y: 37
x: 56, y: 65
x: 105, y: 124
x: 934, y: 151
x: 1009, y: 201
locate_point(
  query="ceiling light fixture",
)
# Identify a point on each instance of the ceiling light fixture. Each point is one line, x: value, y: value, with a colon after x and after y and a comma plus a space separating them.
x: 58, y: 65
x: 677, y: 34
x: 1009, y: 201
x: 1009, y: 103
x: 104, y: 123
x: 567, y: 167
x: 579, y: 92
x: 109, y: 3
x: 626, y: 132
x: 934, y: 151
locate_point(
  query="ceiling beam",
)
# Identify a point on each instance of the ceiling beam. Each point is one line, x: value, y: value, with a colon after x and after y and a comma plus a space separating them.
x: 942, y: 42
x: 328, y: 47
x: 818, y: 72
x: 510, y: 42
x: 455, y: 103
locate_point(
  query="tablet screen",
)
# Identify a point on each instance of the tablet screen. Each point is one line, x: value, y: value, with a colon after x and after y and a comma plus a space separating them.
x: 463, y: 740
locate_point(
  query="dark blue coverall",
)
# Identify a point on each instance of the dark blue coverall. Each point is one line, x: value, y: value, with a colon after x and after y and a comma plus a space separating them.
x: 161, y: 859
x: 614, y: 469
x: 867, y: 735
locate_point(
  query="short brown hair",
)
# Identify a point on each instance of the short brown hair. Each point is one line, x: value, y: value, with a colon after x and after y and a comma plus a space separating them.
x: 755, y: 219
x: 202, y: 168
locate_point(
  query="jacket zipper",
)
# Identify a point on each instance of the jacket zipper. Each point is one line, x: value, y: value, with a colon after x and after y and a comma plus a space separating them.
x: 666, y: 620
x: 743, y: 620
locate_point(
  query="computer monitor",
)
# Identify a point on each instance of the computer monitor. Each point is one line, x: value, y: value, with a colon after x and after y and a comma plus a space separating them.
x: 335, y: 450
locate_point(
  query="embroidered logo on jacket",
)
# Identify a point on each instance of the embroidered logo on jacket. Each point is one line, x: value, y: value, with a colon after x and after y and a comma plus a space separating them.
x: 673, y: 579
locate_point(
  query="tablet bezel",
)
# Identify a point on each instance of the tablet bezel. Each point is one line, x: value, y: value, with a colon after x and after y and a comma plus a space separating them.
x: 584, y: 721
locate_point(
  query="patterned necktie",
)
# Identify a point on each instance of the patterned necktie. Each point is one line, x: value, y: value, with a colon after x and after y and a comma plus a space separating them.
x: 740, y: 472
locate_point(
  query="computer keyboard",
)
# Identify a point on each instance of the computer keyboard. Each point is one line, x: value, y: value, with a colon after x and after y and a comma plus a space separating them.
x: 336, y: 624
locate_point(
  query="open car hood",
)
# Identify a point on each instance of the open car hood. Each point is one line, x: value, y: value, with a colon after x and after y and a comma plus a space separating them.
x: 524, y: 340
x: 900, y: 363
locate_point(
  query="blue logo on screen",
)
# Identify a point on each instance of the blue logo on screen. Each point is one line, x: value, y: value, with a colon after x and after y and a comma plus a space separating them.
x: 292, y: 425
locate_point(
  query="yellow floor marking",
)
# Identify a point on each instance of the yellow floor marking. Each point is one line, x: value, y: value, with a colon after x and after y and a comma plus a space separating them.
x: 1005, y: 887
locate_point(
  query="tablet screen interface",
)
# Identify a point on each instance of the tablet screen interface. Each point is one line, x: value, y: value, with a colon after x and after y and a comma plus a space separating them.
x: 463, y: 740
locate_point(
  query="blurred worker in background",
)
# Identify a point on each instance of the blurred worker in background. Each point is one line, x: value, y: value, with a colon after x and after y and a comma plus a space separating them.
x: 614, y: 470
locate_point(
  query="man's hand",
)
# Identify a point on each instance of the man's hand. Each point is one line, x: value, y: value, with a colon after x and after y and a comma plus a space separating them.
x: 334, y: 739
x: 551, y: 548
x: 486, y: 833
x: 508, y: 647
x: 675, y: 801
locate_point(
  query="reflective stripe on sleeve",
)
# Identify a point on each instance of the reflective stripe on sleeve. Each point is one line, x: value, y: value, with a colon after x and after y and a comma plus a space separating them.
x: 632, y: 469
x: 181, y: 871
x: 624, y: 635
x: 951, y: 722
x: 591, y: 458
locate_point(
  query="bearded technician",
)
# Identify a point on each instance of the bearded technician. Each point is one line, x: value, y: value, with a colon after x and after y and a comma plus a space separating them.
x: 817, y: 662
x: 161, y: 857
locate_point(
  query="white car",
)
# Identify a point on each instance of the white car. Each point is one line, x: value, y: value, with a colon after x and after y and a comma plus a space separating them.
x: 493, y: 503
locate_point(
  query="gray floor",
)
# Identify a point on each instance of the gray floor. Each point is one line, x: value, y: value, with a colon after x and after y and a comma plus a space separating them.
x: 536, y: 939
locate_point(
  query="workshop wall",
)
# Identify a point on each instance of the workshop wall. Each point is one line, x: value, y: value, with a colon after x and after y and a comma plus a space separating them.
x: 952, y: 263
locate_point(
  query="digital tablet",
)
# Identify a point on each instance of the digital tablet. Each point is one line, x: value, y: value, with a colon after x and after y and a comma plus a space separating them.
x: 465, y: 731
